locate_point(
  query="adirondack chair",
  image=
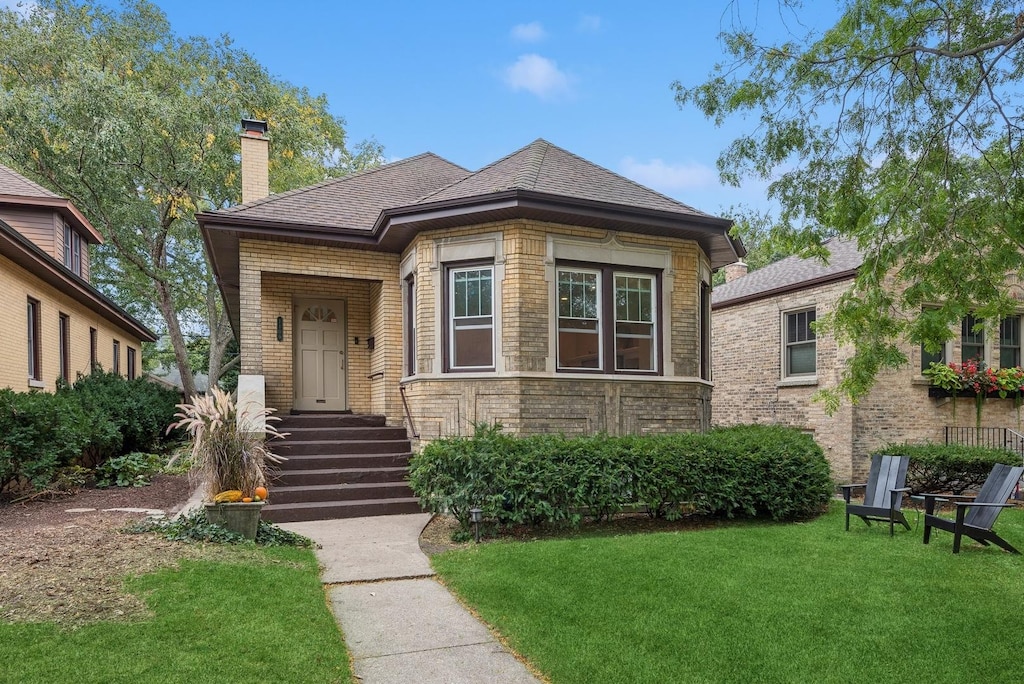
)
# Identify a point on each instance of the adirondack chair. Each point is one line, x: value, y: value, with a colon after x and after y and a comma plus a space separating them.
x: 883, y: 493
x: 975, y: 518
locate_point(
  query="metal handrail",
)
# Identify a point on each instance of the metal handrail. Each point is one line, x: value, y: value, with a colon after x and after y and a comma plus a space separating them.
x: 408, y: 414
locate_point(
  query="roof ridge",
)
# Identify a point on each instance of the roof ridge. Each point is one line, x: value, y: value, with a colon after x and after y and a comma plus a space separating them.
x: 330, y: 181
x: 538, y: 151
x: 477, y: 172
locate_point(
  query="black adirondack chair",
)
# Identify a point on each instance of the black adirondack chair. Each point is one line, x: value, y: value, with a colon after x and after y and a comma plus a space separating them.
x: 883, y: 493
x: 975, y: 518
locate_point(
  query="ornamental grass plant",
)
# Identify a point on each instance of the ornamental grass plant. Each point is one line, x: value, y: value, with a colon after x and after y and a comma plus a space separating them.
x: 229, y: 447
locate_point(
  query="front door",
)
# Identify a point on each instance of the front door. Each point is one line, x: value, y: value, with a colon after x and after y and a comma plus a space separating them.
x: 319, y: 368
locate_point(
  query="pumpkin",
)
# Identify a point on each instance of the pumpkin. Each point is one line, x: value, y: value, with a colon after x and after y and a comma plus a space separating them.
x: 246, y: 499
x: 261, y: 492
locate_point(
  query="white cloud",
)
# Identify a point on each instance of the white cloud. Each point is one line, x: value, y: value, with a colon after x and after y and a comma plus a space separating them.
x: 529, y: 33
x: 589, y: 23
x: 537, y: 75
x: 666, y: 177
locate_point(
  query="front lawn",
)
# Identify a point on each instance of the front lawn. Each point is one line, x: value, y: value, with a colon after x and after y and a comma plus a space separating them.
x: 255, y: 618
x: 754, y: 602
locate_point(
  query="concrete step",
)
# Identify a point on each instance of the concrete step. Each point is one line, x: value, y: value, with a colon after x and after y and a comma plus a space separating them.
x: 289, y: 448
x: 336, y: 476
x: 340, y: 492
x: 327, y: 510
x: 319, y: 461
x: 298, y: 420
x: 325, y: 432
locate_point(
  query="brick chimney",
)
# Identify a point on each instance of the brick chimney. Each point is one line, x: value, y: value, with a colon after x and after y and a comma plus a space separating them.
x: 255, y: 155
x: 734, y: 271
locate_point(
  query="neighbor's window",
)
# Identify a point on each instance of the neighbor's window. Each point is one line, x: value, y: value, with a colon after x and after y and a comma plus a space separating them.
x: 72, y: 250
x: 93, y: 349
x: 117, y: 357
x: 607, y: 319
x: 800, y: 343
x: 471, y: 318
x: 35, y: 366
x: 972, y: 341
x: 132, y: 369
x: 64, y: 344
x: 1009, y: 342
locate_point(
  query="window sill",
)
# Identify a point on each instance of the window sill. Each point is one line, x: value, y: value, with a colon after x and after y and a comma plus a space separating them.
x: 36, y: 384
x: 808, y: 381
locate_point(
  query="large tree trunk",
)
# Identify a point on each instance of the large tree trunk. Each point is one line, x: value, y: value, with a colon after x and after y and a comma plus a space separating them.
x: 165, y: 303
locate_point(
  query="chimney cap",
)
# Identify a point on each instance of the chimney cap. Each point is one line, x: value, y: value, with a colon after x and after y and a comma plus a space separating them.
x: 254, y: 127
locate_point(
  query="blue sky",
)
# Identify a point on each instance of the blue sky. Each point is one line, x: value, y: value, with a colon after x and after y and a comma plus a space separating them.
x: 475, y: 81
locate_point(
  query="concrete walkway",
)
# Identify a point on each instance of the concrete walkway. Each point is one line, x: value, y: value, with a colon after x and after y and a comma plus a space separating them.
x: 400, y: 624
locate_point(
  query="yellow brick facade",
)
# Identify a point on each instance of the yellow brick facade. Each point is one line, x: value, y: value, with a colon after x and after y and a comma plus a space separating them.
x: 16, y: 286
x: 523, y: 392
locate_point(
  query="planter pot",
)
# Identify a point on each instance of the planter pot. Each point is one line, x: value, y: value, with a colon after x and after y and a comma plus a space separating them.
x: 242, y: 518
x: 939, y: 393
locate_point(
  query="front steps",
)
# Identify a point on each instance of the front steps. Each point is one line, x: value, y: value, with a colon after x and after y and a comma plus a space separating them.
x: 339, y: 466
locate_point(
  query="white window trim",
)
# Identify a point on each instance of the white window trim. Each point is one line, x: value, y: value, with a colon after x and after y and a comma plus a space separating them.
x: 654, y: 319
x: 451, y: 318
x: 784, y: 374
x: 407, y: 268
x: 600, y: 326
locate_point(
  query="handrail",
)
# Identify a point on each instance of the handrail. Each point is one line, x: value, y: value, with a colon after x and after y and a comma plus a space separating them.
x: 408, y: 414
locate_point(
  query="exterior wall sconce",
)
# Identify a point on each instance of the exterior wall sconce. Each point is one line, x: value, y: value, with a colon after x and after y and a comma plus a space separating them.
x: 280, y: 329
x: 476, y: 515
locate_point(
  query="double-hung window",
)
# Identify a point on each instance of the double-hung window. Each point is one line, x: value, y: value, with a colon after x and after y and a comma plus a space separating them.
x: 72, y: 250
x: 64, y: 343
x: 116, y: 364
x: 800, y: 344
x: 132, y: 364
x: 35, y: 364
x: 972, y: 340
x: 1009, y: 342
x: 410, y: 325
x: 470, y: 328
x: 607, y: 319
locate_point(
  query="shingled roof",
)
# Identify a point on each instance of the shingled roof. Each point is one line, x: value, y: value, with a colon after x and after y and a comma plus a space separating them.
x: 13, y: 183
x: 354, y: 202
x: 18, y: 191
x: 790, y: 274
x: 546, y: 168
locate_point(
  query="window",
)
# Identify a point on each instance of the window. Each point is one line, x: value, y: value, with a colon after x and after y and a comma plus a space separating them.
x: 705, y: 331
x: 93, y: 350
x: 972, y: 341
x: 410, y: 325
x: 132, y: 370
x: 64, y: 346
x: 597, y: 304
x: 928, y: 358
x: 35, y: 366
x: 1009, y: 342
x: 800, y: 344
x: 72, y: 250
x: 471, y: 318
x: 116, y: 367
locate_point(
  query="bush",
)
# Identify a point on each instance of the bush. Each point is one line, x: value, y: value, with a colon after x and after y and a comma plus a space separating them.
x: 951, y: 468
x: 130, y: 470
x: 39, y: 434
x: 748, y: 470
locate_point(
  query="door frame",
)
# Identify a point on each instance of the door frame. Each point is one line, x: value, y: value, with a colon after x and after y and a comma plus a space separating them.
x: 299, y: 304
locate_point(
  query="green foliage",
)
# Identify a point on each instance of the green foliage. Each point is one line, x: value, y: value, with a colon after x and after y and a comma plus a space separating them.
x: 194, y: 527
x: 948, y: 467
x: 131, y: 470
x: 40, y: 433
x: 748, y: 470
x: 897, y: 128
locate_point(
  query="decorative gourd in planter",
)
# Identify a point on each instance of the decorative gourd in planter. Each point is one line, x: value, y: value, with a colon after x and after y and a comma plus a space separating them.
x: 231, y: 456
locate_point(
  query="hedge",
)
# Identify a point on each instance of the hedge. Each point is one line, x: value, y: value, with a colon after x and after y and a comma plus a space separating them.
x: 953, y: 468
x: 745, y: 470
x: 100, y: 417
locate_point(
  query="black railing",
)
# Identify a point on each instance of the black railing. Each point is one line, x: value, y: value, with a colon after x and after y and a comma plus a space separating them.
x: 408, y: 414
x: 991, y: 437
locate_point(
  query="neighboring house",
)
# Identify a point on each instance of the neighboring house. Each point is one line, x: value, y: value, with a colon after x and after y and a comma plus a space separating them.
x: 55, y: 324
x: 769, y: 362
x: 543, y: 292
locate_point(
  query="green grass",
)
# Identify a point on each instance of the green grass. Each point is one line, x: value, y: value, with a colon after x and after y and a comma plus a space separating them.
x: 263, y: 621
x: 754, y: 603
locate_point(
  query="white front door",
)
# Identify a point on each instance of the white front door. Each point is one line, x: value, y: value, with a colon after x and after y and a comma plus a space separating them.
x: 319, y: 367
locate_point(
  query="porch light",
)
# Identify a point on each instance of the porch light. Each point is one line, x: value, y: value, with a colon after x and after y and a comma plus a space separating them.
x: 476, y: 515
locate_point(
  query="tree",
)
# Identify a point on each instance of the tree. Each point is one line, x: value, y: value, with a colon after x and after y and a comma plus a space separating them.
x: 898, y: 127
x: 139, y: 128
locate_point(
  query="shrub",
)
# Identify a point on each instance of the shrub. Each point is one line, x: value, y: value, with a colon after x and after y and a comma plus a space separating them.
x: 749, y: 470
x: 130, y: 470
x: 951, y: 468
x: 39, y: 434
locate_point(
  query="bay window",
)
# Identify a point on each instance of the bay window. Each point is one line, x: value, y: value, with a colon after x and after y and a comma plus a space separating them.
x: 470, y: 328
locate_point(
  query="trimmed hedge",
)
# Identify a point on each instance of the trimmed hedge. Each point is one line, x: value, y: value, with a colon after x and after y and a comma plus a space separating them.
x: 100, y: 417
x: 748, y: 470
x: 948, y: 467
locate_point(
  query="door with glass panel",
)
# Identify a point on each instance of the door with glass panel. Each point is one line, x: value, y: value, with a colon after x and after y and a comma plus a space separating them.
x: 320, y: 363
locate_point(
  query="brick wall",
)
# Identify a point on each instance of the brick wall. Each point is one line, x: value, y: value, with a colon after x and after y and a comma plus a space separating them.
x: 15, y: 287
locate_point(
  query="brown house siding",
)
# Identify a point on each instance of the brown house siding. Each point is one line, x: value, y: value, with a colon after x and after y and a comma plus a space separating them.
x: 42, y: 226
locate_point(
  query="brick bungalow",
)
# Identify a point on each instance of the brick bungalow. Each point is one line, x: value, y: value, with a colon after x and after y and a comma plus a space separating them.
x: 768, y: 363
x: 542, y: 291
x: 56, y: 325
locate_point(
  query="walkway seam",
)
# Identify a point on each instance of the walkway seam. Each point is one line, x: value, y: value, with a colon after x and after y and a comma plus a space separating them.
x: 428, y: 650
x: 380, y: 580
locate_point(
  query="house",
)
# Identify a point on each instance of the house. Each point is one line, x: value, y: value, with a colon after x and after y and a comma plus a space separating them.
x: 769, y: 362
x: 56, y: 325
x: 542, y: 292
